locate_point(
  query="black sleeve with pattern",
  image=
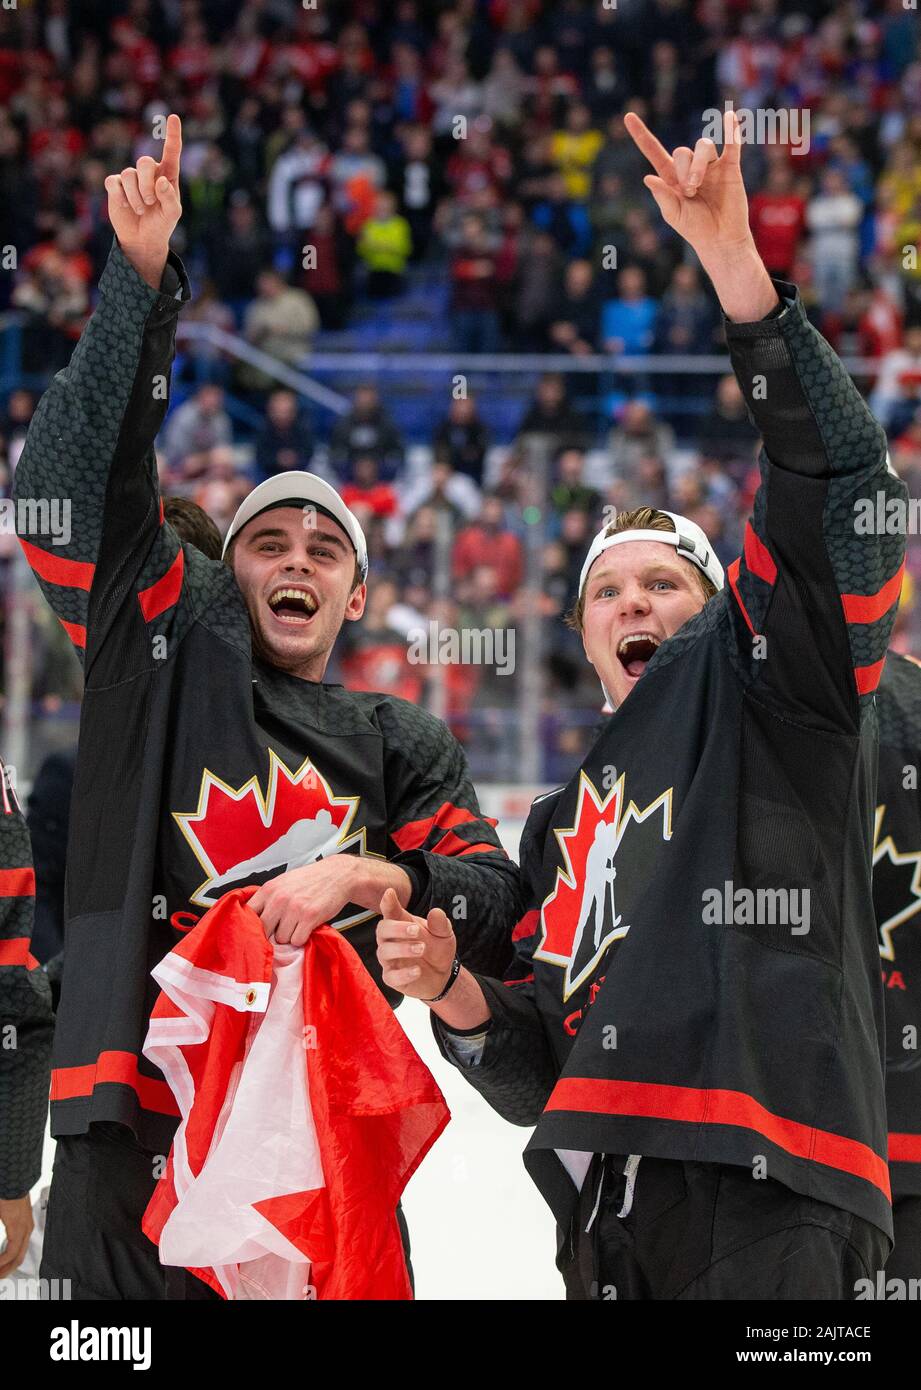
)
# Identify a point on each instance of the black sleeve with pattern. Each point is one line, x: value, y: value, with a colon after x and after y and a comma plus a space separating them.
x: 90, y: 449
x: 517, y: 1069
x: 26, y: 1021
x: 814, y: 594
x: 444, y: 840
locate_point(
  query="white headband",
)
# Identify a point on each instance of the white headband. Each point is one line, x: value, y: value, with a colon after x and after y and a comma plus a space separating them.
x: 687, y: 538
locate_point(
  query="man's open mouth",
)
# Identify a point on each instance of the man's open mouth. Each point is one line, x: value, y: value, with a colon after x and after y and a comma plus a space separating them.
x: 635, y: 651
x: 292, y: 605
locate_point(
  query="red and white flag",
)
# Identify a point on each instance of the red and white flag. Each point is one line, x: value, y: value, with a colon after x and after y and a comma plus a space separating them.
x: 304, y: 1112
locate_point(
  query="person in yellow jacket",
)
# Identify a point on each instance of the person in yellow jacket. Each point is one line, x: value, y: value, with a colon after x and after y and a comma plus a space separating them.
x: 575, y: 149
x: 385, y: 244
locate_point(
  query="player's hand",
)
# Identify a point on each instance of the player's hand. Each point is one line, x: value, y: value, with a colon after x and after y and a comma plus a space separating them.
x: 416, y: 953
x: 144, y: 205
x: 16, y: 1215
x: 700, y: 193
x: 293, y: 904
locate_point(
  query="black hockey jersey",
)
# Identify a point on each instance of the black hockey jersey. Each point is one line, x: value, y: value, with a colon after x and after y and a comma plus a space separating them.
x: 198, y: 769
x: 897, y: 898
x: 26, y: 1022
x: 698, y: 974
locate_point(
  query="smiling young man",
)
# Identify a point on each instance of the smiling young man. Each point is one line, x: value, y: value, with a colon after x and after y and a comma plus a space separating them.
x: 705, y: 1068
x: 212, y: 752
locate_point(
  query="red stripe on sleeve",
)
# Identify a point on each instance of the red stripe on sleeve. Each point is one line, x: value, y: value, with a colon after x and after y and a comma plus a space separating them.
x: 75, y: 631
x: 17, y: 883
x: 453, y: 844
x: 866, y: 608
x: 74, y: 574
x: 165, y: 592
x: 15, y: 951
x: 717, y: 1107
x: 732, y: 574
x: 905, y: 1148
x: 757, y: 556
x: 70, y: 1082
x: 416, y: 832
x: 868, y: 677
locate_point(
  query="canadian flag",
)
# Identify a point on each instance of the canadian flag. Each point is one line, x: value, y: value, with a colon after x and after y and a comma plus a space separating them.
x: 304, y: 1112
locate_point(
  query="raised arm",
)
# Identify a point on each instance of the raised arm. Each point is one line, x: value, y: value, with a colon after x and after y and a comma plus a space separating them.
x: 814, y: 594
x: 86, y: 483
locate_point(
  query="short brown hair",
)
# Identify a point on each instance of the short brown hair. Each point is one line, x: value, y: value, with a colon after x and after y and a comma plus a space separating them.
x: 640, y: 519
x: 193, y: 524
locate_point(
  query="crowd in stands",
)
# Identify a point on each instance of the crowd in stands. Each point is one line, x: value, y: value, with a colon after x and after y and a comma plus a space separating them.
x: 331, y: 151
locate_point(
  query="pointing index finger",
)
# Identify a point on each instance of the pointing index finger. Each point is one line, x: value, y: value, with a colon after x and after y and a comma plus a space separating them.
x: 653, y: 149
x: 732, y: 139
x: 172, y: 150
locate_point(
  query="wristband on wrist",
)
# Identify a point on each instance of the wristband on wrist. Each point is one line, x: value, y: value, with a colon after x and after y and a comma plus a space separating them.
x: 452, y: 976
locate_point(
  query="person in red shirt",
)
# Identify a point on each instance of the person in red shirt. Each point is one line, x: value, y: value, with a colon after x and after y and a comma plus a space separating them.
x: 488, y: 542
x: 777, y: 217
x: 366, y: 493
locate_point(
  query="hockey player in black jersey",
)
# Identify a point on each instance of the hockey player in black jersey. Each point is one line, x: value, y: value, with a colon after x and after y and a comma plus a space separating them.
x: 212, y: 752
x: 25, y: 1034
x: 897, y: 899
x: 705, y: 1068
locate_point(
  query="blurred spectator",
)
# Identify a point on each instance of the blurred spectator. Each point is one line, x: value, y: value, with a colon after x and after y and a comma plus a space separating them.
x: 418, y: 179
x: 628, y: 321
x: 237, y: 253
x: 550, y: 413
x: 326, y: 276
x: 366, y: 429
x: 899, y: 375
x: 536, y: 296
x: 569, y: 490
x: 687, y: 319
x: 778, y: 218
x: 415, y: 560
x: 375, y: 655
x: 365, y: 493
x: 564, y: 218
x: 619, y: 156
x: 55, y: 304
x: 206, y: 308
x: 446, y: 491
x: 575, y: 149
x: 461, y: 439
x: 198, y: 424
x: 639, y: 435
x: 488, y: 542
x: 296, y: 184
x: 384, y: 244
x: 575, y: 328
x: 286, y: 438
x: 474, y: 320
x: 833, y: 217
x: 355, y: 160
x: 281, y: 321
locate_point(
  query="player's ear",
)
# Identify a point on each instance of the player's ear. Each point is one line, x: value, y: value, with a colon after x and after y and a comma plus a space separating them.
x: 355, y: 606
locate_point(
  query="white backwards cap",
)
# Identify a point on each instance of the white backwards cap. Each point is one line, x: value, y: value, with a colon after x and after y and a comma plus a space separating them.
x: 687, y: 538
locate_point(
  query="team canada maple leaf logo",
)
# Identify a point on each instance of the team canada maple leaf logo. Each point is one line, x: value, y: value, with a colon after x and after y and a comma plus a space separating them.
x: 580, y: 917
x: 900, y: 872
x: 240, y: 836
